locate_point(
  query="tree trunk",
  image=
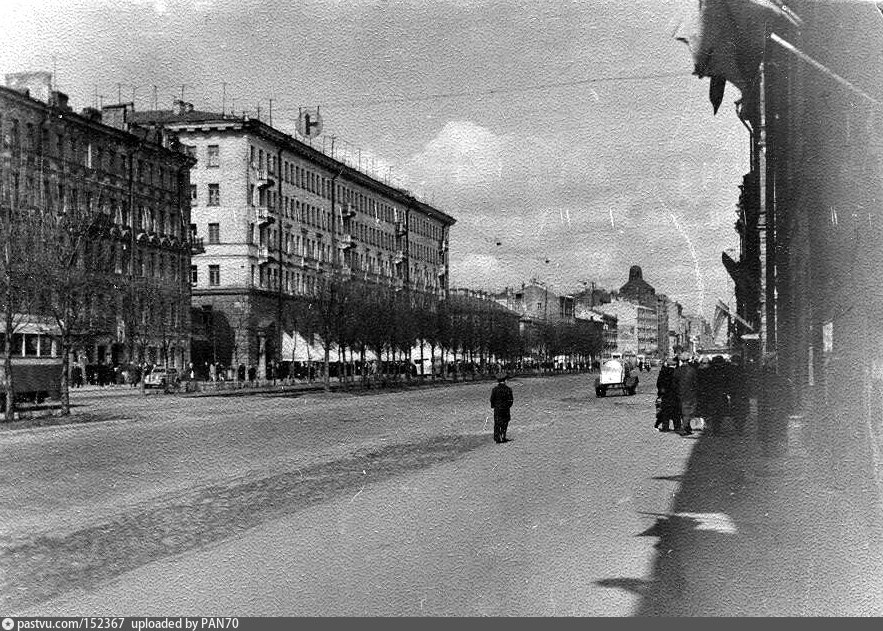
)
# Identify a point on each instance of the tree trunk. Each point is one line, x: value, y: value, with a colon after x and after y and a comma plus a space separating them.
x: 327, y: 380
x: 65, y: 376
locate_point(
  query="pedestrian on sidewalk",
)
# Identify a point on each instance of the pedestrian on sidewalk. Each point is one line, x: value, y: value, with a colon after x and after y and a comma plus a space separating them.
x: 667, y: 395
x: 738, y: 391
x: 716, y: 393
x: 501, y: 402
x: 685, y: 382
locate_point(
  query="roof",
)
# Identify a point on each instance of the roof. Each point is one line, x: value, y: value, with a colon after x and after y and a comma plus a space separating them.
x: 171, y: 116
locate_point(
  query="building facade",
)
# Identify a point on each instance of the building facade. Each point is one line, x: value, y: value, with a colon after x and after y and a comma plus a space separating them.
x: 277, y: 218
x: 131, y: 185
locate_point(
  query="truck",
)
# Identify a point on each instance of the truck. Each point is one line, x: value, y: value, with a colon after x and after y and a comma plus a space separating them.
x: 615, y: 375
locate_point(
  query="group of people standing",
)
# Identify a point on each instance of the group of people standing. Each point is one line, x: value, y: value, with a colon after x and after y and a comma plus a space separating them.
x: 711, y: 390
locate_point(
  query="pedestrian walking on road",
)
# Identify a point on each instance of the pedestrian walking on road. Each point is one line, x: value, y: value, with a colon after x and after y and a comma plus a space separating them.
x: 501, y: 402
x: 685, y: 381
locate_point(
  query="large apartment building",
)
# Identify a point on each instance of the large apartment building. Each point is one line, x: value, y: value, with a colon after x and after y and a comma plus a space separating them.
x: 276, y: 217
x: 131, y: 184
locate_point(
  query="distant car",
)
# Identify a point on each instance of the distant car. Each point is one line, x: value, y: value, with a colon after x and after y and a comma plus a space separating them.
x: 656, y: 362
x: 615, y: 375
x: 161, y: 377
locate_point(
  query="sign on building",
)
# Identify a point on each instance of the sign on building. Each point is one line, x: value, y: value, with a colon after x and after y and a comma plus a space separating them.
x: 309, y: 122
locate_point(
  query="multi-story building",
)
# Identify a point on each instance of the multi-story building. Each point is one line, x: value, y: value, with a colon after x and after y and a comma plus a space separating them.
x: 662, y: 325
x: 134, y: 184
x: 638, y: 290
x: 609, y: 325
x: 537, y: 302
x: 636, y: 327
x: 277, y: 215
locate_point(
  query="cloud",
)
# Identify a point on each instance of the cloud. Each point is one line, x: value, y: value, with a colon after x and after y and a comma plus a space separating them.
x: 568, y: 213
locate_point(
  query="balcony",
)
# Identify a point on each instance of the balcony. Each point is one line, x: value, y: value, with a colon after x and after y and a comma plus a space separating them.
x: 347, y: 211
x: 196, y: 246
x: 263, y: 255
x: 347, y: 241
x: 401, y: 229
x: 263, y: 216
x: 399, y: 257
x: 260, y: 176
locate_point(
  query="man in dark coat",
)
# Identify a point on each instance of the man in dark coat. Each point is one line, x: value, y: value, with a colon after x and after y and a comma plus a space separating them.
x: 501, y: 402
x: 738, y: 391
x: 666, y: 392
x: 717, y: 405
x: 685, y: 382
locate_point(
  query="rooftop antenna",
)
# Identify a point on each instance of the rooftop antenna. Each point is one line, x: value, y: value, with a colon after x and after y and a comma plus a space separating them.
x: 155, y: 101
x: 271, y: 113
x: 223, y: 99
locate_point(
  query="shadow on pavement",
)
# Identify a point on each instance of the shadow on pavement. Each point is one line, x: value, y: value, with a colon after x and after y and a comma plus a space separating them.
x: 757, y: 531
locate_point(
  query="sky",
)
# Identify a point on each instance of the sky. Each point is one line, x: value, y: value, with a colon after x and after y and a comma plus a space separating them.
x: 568, y: 139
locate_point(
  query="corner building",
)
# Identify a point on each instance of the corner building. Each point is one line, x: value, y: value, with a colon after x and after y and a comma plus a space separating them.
x: 134, y: 183
x: 276, y: 216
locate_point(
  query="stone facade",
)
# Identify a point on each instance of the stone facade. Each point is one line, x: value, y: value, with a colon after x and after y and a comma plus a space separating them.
x: 135, y: 182
x: 278, y: 217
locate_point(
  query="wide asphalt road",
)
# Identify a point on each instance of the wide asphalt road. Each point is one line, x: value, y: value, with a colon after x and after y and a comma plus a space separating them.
x: 387, y: 504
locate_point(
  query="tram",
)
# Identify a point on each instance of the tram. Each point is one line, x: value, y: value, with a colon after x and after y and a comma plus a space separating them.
x: 36, y: 363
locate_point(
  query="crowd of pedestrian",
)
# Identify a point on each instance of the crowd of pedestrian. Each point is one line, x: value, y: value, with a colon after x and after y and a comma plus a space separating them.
x: 691, y: 391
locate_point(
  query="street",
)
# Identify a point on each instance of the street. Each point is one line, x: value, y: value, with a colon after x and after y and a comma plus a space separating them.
x: 382, y: 504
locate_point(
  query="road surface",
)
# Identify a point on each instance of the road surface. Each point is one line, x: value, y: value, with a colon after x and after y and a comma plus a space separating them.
x: 384, y: 504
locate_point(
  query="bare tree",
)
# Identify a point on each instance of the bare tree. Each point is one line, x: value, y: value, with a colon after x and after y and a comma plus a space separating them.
x: 73, y: 264
x: 18, y: 283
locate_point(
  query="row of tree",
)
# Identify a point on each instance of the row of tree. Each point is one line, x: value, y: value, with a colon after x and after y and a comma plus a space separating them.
x: 358, y: 317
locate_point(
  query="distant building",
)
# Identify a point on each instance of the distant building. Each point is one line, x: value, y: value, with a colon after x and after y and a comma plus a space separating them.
x: 608, y: 322
x: 536, y: 302
x: 637, y: 290
x: 636, y: 327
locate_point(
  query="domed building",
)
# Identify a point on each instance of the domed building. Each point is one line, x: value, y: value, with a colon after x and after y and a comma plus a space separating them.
x: 638, y: 290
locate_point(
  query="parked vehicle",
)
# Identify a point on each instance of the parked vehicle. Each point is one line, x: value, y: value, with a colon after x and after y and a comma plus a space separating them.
x: 161, y: 378
x: 615, y: 374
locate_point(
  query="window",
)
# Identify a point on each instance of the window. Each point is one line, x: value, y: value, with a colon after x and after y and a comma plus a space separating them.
x: 214, y: 195
x: 194, y: 275
x: 214, y: 275
x: 193, y: 195
x: 214, y: 156
x: 214, y: 233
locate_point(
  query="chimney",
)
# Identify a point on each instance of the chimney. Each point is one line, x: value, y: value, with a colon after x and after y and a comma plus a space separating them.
x: 92, y: 114
x: 59, y: 100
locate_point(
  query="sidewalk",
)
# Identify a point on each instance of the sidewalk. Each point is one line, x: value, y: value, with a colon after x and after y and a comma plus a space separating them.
x: 754, y: 535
